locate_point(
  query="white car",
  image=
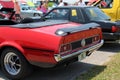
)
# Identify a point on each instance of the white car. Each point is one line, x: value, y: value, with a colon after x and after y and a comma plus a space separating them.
x: 27, y: 11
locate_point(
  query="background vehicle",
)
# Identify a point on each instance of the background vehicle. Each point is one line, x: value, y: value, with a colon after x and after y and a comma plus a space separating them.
x: 111, y: 30
x: 112, y: 8
x: 45, y: 44
x: 27, y: 11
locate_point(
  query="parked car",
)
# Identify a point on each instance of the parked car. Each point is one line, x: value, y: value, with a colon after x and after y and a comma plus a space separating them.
x: 5, y: 8
x: 111, y: 30
x: 45, y: 44
x: 27, y: 11
x: 6, y: 15
x: 111, y: 8
x: 3, y: 16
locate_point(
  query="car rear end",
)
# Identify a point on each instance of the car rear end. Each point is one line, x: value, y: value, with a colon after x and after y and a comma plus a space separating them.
x: 111, y: 33
x: 62, y: 43
x: 78, y: 43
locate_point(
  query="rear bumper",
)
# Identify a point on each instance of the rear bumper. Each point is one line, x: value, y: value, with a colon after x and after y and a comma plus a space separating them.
x: 67, y: 59
x: 89, y: 50
x: 111, y: 37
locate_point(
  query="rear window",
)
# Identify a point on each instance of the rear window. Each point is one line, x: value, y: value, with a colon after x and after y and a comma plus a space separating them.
x: 96, y: 14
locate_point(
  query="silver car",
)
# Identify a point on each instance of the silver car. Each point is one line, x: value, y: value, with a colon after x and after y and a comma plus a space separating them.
x: 27, y: 11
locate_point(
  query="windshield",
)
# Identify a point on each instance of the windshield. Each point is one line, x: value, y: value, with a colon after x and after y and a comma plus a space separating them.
x: 96, y: 14
x: 26, y: 8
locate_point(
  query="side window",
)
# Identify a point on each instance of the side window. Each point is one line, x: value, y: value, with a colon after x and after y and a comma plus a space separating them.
x: 62, y: 14
x: 76, y: 16
x: 23, y: 8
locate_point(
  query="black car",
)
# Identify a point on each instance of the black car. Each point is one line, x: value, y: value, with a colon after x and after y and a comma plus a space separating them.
x: 111, y: 30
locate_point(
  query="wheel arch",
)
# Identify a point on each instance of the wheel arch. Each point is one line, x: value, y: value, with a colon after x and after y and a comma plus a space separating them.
x: 26, y: 68
x: 36, y: 14
x: 10, y: 44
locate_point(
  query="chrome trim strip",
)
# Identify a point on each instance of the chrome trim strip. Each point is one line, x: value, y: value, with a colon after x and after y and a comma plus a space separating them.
x: 95, y: 47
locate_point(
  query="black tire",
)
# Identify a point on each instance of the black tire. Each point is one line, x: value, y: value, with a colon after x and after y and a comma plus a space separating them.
x: 36, y: 15
x: 14, y: 65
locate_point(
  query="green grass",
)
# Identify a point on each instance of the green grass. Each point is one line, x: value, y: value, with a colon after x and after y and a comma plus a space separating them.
x: 109, y: 71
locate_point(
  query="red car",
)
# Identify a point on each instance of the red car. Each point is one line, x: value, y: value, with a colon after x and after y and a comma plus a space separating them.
x: 45, y: 44
x: 6, y: 10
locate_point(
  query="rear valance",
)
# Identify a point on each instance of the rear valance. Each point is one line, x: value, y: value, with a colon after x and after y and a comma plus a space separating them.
x: 65, y: 31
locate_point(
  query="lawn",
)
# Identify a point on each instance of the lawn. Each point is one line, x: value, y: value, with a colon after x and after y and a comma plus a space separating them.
x: 108, y: 71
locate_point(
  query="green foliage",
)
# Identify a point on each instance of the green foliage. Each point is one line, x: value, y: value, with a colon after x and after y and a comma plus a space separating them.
x: 109, y: 71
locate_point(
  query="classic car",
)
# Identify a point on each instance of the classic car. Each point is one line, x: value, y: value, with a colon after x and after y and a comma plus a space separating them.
x: 111, y: 30
x: 44, y: 44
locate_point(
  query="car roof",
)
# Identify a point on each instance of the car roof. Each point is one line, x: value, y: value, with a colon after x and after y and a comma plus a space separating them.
x: 75, y: 7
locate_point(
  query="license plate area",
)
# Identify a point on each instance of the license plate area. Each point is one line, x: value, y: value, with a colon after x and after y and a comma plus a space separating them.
x: 81, y: 56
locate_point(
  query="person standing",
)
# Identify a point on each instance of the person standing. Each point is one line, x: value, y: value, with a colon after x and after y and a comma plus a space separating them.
x: 44, y: 7
x: 17, y: 10
x: 61, y: 3
x: 81, y: 3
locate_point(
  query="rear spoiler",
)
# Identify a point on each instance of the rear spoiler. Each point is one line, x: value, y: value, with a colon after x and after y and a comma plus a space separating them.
x: 66, y: 31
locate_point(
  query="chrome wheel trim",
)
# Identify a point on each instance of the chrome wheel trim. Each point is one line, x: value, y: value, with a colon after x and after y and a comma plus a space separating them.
x: 36, y: 15
x: 12, y: 63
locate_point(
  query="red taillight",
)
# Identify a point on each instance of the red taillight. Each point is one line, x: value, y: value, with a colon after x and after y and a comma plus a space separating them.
x: 96, y: 38
x: 65, y: 48
x: 115, y: 29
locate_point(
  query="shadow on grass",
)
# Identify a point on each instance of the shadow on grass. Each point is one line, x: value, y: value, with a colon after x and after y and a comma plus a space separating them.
x: 93, y: 72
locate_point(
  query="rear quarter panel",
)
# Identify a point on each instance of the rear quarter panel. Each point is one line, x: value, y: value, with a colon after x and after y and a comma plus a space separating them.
x: 34, y: 44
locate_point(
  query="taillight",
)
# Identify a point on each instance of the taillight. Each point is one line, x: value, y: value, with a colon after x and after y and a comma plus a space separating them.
x: 96, y: 38
x: 65, y: 47
x: 115, y: 29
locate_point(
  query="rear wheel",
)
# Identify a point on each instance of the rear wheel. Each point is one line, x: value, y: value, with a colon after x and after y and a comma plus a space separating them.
x: 14, y: 65
x: 36, y: 15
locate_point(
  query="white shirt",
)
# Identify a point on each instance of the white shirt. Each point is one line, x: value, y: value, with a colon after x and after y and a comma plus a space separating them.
x: 61, y: 4
x: 81, y: 4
